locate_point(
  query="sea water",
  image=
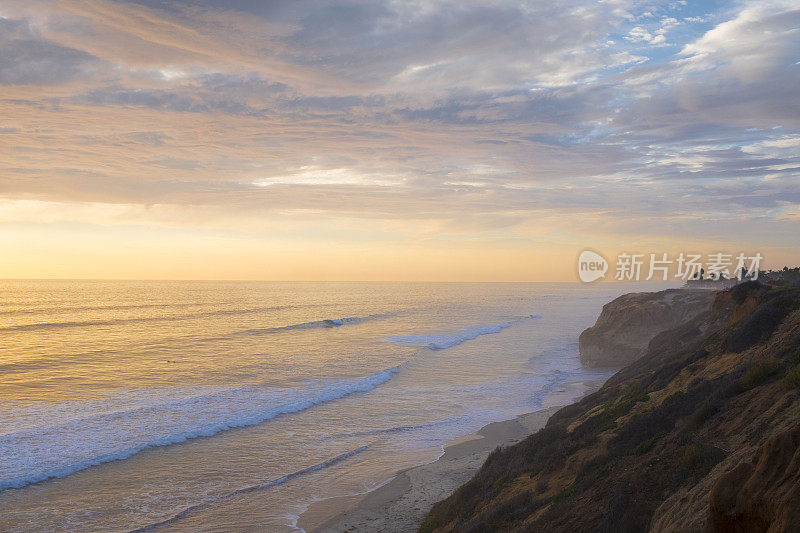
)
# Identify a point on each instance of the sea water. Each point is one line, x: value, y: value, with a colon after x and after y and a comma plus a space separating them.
x: 222, y: 406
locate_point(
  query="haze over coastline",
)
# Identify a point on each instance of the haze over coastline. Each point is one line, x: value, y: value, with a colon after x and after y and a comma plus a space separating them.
x: 424, y: 140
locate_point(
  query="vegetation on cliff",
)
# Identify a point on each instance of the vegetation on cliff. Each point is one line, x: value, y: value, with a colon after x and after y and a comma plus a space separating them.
x: 700, y: 433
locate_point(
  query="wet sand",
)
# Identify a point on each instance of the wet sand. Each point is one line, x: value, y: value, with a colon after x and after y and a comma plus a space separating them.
x: 401, y: 504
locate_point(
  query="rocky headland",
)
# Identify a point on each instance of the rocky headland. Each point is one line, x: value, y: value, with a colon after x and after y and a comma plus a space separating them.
x: 700, y: 432
x: 627, y: 324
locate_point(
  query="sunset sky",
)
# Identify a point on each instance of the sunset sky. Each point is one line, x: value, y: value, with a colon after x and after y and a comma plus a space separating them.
x: 392, y: 140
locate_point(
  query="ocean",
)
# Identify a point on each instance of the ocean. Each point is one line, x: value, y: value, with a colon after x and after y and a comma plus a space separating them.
x: 224, y: 406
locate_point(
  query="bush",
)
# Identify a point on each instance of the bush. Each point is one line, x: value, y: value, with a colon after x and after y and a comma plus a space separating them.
x: 699, y: 459
x: 792, y: 379
x: 759, y: 373
x: 706, y: 410
x: 693, y: 457
x: 645, y: 446
x: 499, y: 481
x: 607, y: 425
x: 623, y: 403
x: 428, y: 525
x: 566, y: 493
x: 757, y: 327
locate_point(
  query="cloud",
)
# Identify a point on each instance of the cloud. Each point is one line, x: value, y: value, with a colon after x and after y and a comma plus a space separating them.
x: 467, y: 116
x: 165, y: 100
x: 28, y: 59
x: 638, y: 34
x: 759, y: 40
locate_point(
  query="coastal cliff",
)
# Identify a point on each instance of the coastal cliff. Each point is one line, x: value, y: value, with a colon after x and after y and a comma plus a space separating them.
x: 700, y: 433
x: 627, y: 324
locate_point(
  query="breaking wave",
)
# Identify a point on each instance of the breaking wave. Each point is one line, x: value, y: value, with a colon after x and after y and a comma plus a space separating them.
x: 84, y: 434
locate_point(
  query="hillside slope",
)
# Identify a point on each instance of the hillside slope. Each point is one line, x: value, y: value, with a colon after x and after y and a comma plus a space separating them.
x: 699, y: 434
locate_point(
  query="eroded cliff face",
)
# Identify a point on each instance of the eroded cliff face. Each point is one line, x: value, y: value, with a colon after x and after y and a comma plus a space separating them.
x: 761, y: 494
x: 626, y: 325
x: 701, y: 433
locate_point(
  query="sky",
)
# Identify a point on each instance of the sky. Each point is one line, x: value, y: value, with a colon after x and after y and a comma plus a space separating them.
x: 393, y: 140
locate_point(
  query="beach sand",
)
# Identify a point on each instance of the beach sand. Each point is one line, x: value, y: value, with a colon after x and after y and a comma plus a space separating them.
x: 401, y: 504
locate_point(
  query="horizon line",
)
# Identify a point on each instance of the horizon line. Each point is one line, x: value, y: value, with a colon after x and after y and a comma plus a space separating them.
x: 336, y: 280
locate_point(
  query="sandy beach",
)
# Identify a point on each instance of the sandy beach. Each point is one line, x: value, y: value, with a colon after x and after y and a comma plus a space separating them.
x: 401, y: 504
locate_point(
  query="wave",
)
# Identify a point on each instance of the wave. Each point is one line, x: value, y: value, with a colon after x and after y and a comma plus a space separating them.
x: 564, y: 360
x: 38, y: 310
x: 326, y: 323
x: 448, y: 340
x: 563, y: 352
x: 134, y: 320
x: 253, y: 488
x: 84, y: 434
x: 394, y: 429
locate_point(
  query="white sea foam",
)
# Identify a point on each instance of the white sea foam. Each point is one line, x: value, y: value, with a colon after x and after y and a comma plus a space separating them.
x: 326, y: 323
x: 69, y: 440
x: 253, y: 488
x: 448, y: 340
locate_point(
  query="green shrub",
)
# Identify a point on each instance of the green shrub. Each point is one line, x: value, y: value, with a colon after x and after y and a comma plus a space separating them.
x: 566, y: 493
x: 792, y: 379
x: 602, y: 470
x: 608, y: 424
x: 705, y: 411
x: 759, y: 373
x: 499, y: 481
x: 693, y: 457
x: 699, y: 458
x: 645, y: 446
x: 428, y: 525
x: 623, y: 403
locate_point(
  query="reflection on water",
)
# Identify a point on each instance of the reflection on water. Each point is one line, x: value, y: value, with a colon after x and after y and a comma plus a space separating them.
x: 233, y: 404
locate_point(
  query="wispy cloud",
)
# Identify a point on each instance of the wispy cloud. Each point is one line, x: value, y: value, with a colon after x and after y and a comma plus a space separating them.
x: 433, y: 117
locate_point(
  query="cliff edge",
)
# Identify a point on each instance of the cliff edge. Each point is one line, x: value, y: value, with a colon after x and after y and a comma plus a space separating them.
x: 700, y: 433
x: 627, y: 324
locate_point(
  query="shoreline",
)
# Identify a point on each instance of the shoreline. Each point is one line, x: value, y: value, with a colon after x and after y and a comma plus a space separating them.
x: 401, y: 503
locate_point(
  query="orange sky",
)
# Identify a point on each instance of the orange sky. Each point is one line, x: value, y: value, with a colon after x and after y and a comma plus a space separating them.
x: 382, y: 141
